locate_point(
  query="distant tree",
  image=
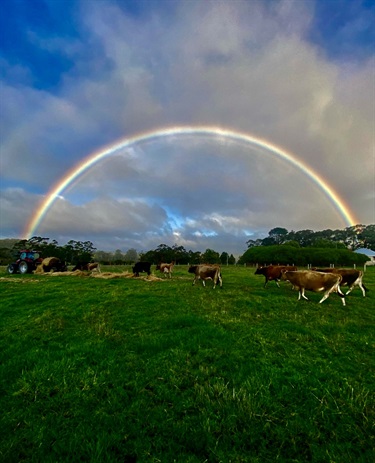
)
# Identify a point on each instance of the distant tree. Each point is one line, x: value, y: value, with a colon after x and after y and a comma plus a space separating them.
x: 367, y: 235
x: 194, y: 257
x: 304, y: 237
x: 6, y: 255
x: 104, y: 257
x: 322, y: 243
x: 118, y: 257
x: 79, y: 251
x: 131, y: 255
x: 278, y: 235
x: 292, y: 243
x: 231, y: 260
x: 253, y: 243
x: 180, y: 255
x: 224, y: 258
x: 149, y: 256
x: 210, y: 257
x: 163, y: 253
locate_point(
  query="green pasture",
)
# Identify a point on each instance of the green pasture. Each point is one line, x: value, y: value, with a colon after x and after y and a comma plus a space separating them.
x: 128, y: 370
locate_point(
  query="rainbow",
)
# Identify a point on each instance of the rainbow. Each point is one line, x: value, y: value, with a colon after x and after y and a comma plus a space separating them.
x: 160, y: 133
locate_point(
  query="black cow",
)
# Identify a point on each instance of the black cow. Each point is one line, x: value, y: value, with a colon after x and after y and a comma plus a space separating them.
x: 142, y: 267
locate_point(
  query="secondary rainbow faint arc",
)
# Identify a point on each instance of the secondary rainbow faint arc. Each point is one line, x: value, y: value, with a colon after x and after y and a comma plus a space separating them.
x: 213, y: 131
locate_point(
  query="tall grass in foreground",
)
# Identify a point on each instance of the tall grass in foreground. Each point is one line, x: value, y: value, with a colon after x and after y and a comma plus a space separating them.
x: 127, y: 370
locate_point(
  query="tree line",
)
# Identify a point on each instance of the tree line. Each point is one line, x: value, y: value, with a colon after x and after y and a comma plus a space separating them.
x: 285, y: 254
x: 280, y: 246
x: 306, y: 247
x: 84, y: 251
x: 354, y: 237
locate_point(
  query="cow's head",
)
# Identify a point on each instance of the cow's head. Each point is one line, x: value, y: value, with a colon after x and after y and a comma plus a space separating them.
x: 260, y: 271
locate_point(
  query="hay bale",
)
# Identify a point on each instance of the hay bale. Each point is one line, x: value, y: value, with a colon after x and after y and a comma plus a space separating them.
x: 39, y: 269
x: 152, y: 278
x: 110, y: 275
x: 50, y: 264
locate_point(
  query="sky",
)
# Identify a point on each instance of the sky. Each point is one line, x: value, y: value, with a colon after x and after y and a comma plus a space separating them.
x: 80, y: 77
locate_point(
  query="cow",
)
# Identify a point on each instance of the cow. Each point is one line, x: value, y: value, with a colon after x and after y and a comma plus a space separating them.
x: 166, y: 268
x: 273, y: 272
x: 88, y: 266
x: 206, y: 272
x: 350, y: 277
x: 314, y: 281
x: 142, y: 267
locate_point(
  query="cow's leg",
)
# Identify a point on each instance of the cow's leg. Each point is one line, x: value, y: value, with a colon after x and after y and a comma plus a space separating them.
x: 326, y: 294
x: 340, y: 293
x: 220, y: 280
x: 302, y: 293
x: 359, y: 283
x: 203, y: 283
x: 363, y: 288
x: 277, y: 282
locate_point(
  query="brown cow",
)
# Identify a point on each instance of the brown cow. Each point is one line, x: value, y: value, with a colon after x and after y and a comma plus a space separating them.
x: 350, y: 277
x: 314, y: 281
x: 206, y: 272
x: 273, y: 272
x: 166, y: 268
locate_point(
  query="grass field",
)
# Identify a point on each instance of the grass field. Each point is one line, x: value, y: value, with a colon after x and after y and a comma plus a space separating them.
x: 128, y: 370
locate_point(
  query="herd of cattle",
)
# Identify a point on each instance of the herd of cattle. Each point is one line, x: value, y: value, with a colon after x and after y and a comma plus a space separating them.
x: 325, y: 280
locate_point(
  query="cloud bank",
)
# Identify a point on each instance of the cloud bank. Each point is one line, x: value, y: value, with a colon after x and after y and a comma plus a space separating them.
x: 249, y: 66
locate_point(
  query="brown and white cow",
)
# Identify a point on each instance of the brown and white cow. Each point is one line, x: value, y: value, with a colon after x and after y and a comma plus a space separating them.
x: 273, y: 272
x: 314, y: 281
x: 89, y: 266
x: 166, y: 269
x: 206, y: 272
x: 350, y: 277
